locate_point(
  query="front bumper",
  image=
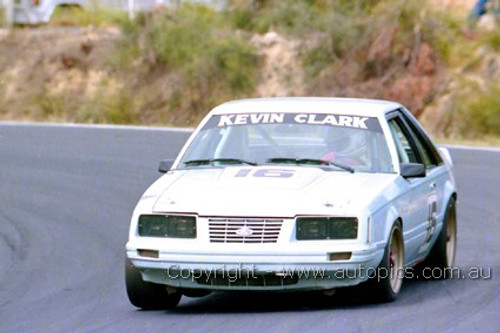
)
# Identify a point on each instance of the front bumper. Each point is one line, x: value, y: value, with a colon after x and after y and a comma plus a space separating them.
x: 268, y: 268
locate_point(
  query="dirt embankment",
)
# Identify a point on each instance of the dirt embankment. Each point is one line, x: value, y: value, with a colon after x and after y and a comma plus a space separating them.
x: 41, y: 67
x: 63, y: 63
x: 51, y: 74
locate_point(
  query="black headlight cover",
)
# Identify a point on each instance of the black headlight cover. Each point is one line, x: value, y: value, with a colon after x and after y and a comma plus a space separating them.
x: 326, y: 228
x: 170, y: 226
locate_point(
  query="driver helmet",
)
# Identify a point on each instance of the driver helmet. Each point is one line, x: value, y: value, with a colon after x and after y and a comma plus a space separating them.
x: 346, y: 141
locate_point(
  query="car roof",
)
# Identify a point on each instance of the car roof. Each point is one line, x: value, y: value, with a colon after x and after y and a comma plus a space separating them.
x: 331, y: 105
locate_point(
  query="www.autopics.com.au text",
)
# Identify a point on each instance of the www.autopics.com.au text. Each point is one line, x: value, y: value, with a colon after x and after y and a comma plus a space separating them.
x: 233, y: 274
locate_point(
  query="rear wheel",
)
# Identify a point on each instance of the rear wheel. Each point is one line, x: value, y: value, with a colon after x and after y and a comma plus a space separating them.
x: 387, y: 282
x: 442, y: 255
x: 147, y: 295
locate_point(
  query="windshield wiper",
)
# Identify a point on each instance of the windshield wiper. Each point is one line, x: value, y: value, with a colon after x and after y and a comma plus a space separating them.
x: 309, y: 161
x: 212, y: 161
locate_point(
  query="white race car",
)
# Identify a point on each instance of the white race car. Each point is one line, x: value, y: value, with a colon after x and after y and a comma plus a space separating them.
x: 295, y: 194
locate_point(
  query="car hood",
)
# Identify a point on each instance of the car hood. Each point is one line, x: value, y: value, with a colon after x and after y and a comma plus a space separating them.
x: 267, y: 191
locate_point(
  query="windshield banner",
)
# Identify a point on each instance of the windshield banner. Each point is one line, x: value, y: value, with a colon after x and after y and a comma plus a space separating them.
x: 367, y: 123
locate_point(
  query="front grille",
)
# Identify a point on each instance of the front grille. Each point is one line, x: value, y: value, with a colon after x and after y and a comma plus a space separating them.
x: 244, y: 230
x: 247, y: 280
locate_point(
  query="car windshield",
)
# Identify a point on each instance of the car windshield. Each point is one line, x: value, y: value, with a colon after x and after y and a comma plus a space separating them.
x: 340, y: 142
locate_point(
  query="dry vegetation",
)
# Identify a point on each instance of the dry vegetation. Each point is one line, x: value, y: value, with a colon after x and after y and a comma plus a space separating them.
x: 169, y: 67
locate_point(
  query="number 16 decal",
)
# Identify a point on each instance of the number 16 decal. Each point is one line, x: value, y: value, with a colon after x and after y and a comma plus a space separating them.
x: 269, y: 173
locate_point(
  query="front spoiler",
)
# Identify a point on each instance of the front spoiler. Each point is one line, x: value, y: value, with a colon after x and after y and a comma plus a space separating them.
x: 258, y: 272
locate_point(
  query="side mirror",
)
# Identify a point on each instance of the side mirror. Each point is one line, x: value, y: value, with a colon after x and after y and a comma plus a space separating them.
x: 165, y: 165
x: 412, y: 170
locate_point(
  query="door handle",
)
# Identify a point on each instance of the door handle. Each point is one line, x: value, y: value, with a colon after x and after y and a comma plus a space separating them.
x: 432, y: 186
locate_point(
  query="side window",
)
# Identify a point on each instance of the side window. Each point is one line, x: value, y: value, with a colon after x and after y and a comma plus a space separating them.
x: 426, y: 159
x: 428, y: 152
x: 406, y: 151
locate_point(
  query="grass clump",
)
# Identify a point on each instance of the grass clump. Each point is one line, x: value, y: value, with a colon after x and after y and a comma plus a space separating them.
x: 492, y: 39
x: 290, y: 17
x: 3, y: 22
x: 115, y: 108
x: 91, y: 15
x: 108, y: 107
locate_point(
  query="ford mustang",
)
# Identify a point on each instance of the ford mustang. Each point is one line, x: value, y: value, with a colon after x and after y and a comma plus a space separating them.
x: 283, y: 194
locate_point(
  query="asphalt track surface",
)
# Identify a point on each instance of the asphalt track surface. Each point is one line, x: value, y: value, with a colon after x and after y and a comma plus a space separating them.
x: 66, y: 197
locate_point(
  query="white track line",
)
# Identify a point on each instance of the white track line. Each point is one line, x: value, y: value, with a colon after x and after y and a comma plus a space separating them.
x: 185, y: 130
x: 480, y: 148
x: 97, y: 126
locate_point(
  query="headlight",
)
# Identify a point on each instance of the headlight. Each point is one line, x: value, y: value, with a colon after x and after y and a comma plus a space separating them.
x: 172, y: 226
x: 315, y: 228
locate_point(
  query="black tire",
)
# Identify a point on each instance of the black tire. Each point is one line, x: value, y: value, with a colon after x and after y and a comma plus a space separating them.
x: 388, y: 279
x: 195, y: 293
x: 441, y: 258
x: 147, y: 295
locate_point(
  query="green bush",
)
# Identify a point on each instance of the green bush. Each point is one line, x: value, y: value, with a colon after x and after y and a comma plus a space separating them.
x: 183, y: 36
x: 289, y: 17
x: 194, y: 42
x: 349, y: 29
x: 417, y: 22
x: 476, y: 111
x: 294, y: 17
x: 442, y: 30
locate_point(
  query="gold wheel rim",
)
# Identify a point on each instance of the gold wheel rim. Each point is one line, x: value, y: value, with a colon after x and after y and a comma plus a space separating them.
x: 396, y: 261
x: 451, y: 238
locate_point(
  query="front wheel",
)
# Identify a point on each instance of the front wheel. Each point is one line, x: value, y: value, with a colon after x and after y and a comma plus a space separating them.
x: 147, y: 295
x: 388, y: 279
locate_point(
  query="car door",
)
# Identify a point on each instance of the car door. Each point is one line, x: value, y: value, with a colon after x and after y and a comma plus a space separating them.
x: 418, y: 204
